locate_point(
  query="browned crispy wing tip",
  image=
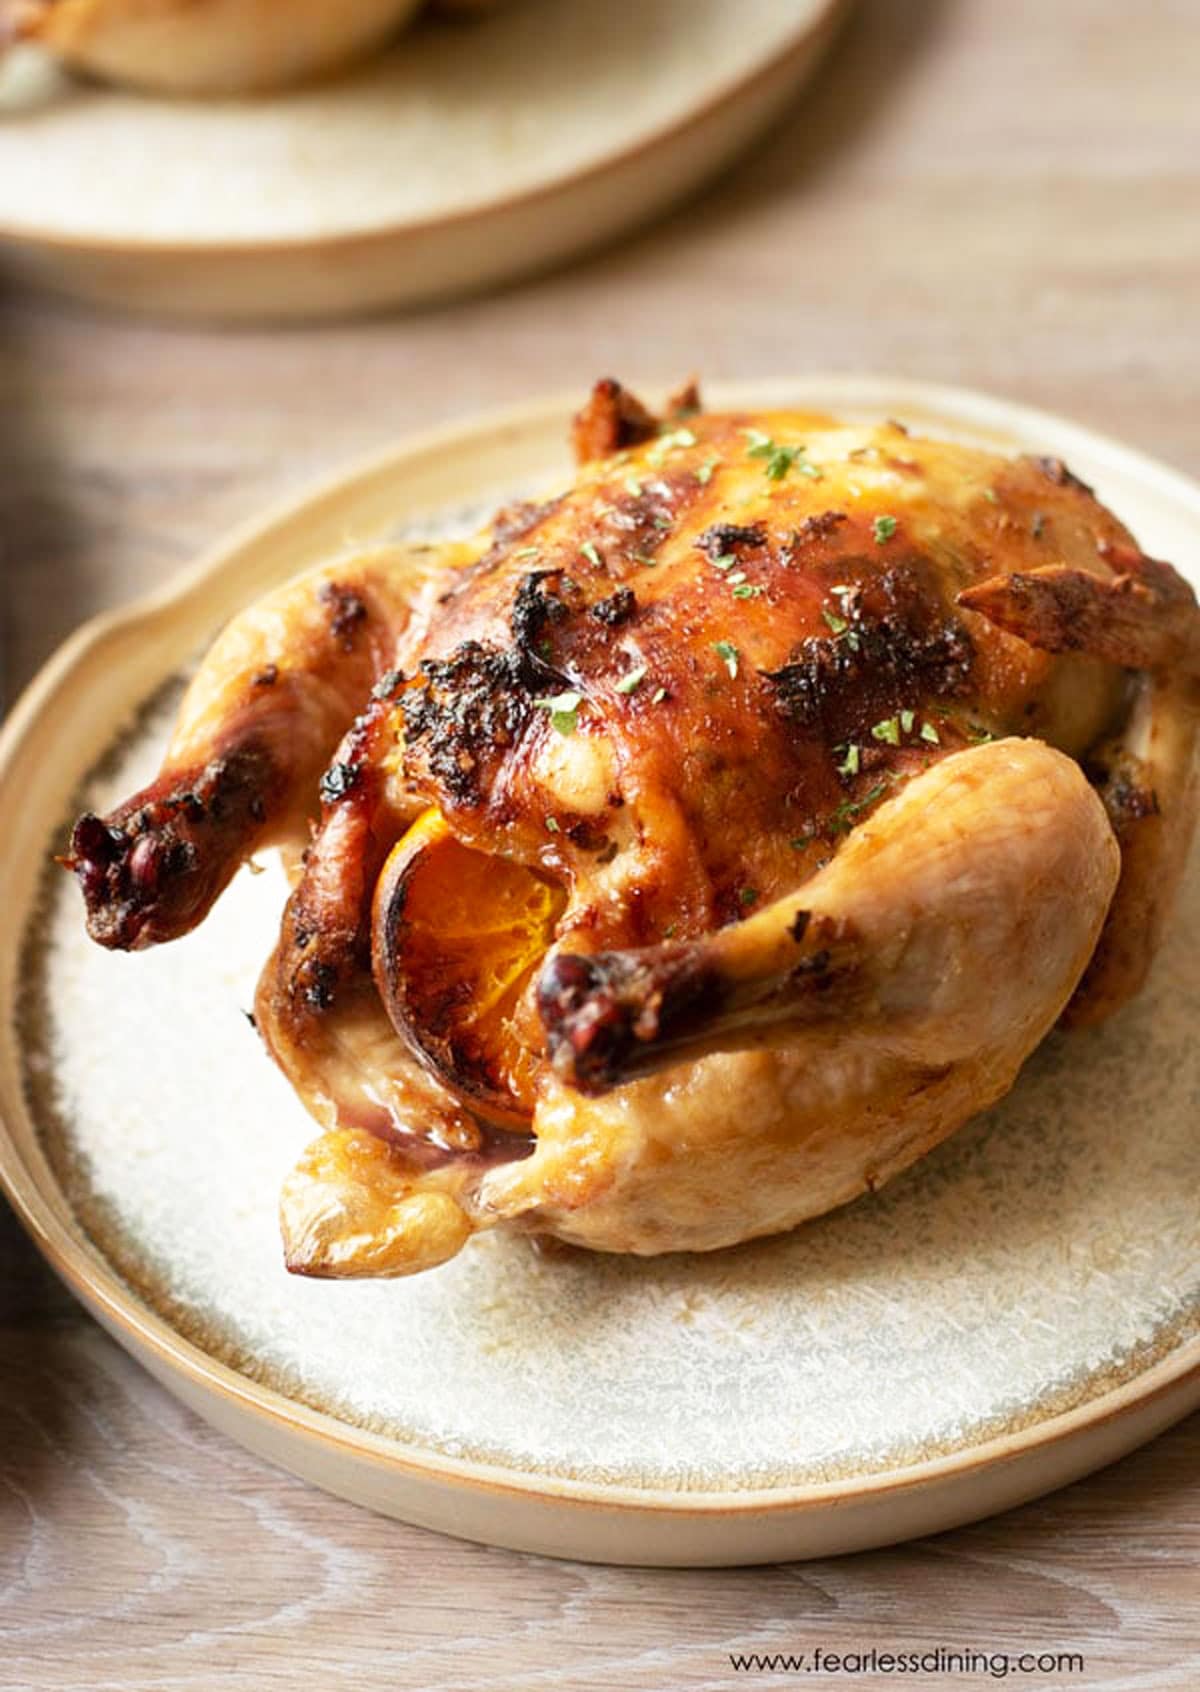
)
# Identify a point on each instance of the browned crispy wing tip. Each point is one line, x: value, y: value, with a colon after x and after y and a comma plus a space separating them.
x: 614, y: 418
x: 1143, y: 617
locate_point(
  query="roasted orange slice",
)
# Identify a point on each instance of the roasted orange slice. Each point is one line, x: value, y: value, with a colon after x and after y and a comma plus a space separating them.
x: 456, y: 936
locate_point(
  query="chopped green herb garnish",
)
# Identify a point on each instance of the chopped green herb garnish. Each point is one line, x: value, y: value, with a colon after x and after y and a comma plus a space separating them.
x: 646, y: 558
x: 552, y: 824
x: 839, y: 625
x: 991, y: 496
x: 704, y: 471
x: 848, y: 811
x: 657, y: 697
x: 527, y: 552
x: 812, y: 471
x: 851, y: 762
x: 888, y: 731
x: 632, y: 680
x: 779, y: 459
x: 564, y: 711
x: 669, y: 930
x: 800, y: 842
x: 977, y: 733
x: 633, y: 486
x: 747, y: 590
x: 668, y: 442
x: 929, y: 733
x: 883, y: 529
x: 728, y: 652
x: 748, y: 895
x: 907, y: 719
x: 588, y: 550
x: 723, y: 560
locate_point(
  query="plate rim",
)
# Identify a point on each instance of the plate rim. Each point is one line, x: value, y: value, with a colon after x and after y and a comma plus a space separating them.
x: 813, y: 36
x: 140, y: 1329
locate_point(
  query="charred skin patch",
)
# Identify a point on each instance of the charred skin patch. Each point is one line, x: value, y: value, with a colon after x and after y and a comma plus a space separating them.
x: 543, y: 599
x: 722, y: 538
x: 322, y: 954
x: 616, y: 609
x: 347, y: 613
x: 896, y: 646
x: 463, y: 715
x: 819, y: 527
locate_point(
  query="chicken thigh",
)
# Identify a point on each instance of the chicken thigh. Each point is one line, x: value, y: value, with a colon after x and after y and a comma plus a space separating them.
x: 703, y: 844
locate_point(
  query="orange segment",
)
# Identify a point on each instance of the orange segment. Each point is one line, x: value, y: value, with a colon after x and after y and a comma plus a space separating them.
x: 456, y: 935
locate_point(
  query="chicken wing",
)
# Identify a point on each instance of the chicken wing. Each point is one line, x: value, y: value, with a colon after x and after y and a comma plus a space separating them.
x: 257, y: 726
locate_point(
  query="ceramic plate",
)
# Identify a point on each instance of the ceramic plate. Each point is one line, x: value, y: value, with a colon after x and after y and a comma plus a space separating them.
x: 1021, y: 1307
x: 461, y: 157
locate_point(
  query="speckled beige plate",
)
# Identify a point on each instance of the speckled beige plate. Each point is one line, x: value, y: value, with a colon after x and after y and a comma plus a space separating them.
x: 461, y: 157
x: 1020, y: 1308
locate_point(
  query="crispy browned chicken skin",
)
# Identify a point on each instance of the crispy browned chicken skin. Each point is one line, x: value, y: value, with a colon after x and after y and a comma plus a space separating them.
x: 711, y: 839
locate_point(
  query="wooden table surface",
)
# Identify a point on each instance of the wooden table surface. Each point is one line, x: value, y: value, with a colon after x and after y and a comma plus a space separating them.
x: 1003, y: 193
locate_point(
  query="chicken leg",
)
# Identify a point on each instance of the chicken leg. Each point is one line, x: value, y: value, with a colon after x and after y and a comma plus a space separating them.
x: 964, y: 871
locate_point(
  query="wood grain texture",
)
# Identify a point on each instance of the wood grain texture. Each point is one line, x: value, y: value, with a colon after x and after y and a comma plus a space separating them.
x: 992, y: 192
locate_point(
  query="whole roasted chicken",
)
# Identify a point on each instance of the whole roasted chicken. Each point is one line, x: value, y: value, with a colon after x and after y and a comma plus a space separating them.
x: 697, y: 847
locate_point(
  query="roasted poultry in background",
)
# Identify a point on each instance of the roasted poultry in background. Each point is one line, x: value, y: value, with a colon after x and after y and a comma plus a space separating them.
x: 214, y: 47
x: 698, y: 846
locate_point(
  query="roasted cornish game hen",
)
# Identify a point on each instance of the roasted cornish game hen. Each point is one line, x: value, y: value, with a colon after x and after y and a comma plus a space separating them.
x: 697, y: 847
